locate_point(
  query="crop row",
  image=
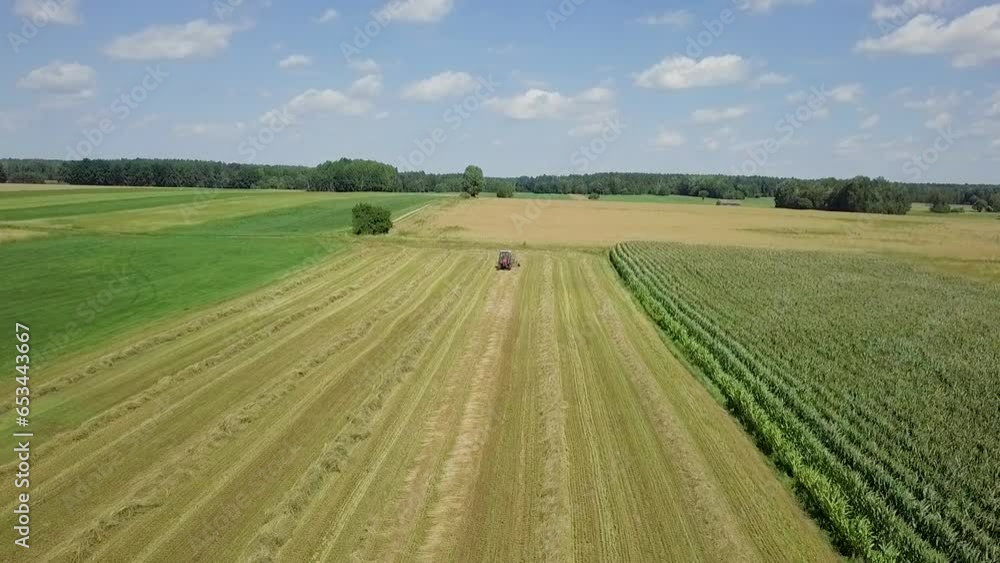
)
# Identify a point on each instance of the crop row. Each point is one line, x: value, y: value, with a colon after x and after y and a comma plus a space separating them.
x: 877, y: 505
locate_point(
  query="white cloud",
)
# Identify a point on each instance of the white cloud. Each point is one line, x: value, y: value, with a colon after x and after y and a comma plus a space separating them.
x: 935, y: 104
x: 63, y: 12
x: 763, y: 6
x: 907, y: 9
x: 716, y: 115
x: 327, y: 16
x: 295, y: 61
x: 971, y: 40
x: 421, y: 11
x: 667, y: 139
x: 315, y: 101
x: 674, y: 18
x: 367, y: 86
x: 940, y: 121
x: 198, y: 38
x: 797, y: 97
x: 364, y: 66
x: 65, y: 84
x: 66, y: 100
x: 847, y: 93
x: 444, y: 85
x: 771, y: 79
x: 381, y: 115
x: 870, y: 121
x: 59, y: 76
x: 821, y: 113
x: 591, y: 105
x: 711, y: 144
x: 677, y: 73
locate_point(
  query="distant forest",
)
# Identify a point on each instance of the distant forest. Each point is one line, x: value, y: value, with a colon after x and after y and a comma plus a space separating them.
x: 345, y: 175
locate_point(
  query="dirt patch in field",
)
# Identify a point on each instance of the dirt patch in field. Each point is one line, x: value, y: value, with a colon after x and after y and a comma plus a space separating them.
x: 7, y: 235
x: 564, y: 222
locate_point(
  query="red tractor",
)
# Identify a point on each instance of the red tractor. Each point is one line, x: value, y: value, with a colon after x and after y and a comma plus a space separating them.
x: 507, y: 261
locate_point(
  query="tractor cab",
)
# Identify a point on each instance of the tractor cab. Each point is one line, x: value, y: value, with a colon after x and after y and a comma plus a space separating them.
x: 506, y: 260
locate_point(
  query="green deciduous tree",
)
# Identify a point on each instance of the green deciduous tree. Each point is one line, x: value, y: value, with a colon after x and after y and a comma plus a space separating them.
x: 371, y: 219
x: 3, y: 174
x: 472, y: 181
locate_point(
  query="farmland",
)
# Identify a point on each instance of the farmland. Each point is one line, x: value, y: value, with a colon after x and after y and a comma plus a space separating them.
x: 232, y: 376
x: 383, y: 403
x: 871, y: 382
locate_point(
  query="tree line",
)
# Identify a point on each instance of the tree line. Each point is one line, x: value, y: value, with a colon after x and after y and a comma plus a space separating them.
x: 366, y: 175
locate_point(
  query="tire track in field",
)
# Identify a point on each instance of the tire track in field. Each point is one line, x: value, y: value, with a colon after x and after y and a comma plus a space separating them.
x: 191, y: 371
x: 713, y: 511
x: 284, y: 519
x: 108, y: 361
x: 555, y: 514
x: 461, y: 468
x: 433, y: 447
x: 149, y: 493
x: 282, y: 428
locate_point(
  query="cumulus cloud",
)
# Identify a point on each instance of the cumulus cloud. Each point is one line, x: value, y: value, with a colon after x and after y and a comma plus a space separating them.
x: 196, y: 39
x: 717, y: 115
x: 327, y: 16
x: 972, y: 39
x: 847, y: 93
x: 764, y: 6
x: 667, y: 139
x: 319, y: 102
x: 420, y: 11
x: 771, y: 79
x: 207, y: 129
x: 367, y: 86
x: 364, y: 66
x: 678, y: 72
x: 62, y: 12
x: 59, y: 76
x: 445, y: 85
x: 905, y: 10
x: 675, y: 18
x: 295, y: 61
x: 940, y: 121
x: 64, y: 84
x: 871, y: 121
x: 538, y: 104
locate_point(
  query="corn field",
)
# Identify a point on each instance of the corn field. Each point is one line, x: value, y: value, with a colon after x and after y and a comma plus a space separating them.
x: 873, y: 383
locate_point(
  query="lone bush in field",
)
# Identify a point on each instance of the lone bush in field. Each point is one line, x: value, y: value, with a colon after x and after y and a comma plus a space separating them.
x: 594, y: 196
x: 505, y: 191
x: 371, y: 219
x: 938, y: 203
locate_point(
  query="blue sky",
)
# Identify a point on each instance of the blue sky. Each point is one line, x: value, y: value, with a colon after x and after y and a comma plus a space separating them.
x: 908, y: 89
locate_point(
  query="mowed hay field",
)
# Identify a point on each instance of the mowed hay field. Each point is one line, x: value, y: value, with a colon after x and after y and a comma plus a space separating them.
x: 403, y: 403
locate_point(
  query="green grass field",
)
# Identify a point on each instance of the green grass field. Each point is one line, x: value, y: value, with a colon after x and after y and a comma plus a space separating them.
x: 124, y: 258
